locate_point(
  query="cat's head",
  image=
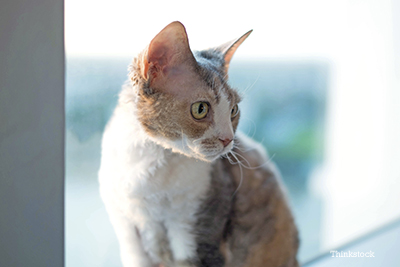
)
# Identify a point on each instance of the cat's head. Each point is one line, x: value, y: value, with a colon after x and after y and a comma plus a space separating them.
x: 184, y: 101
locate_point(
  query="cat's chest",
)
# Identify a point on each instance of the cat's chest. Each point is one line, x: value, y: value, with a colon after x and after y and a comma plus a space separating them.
x: 176, y: 184
x: 164, y: 186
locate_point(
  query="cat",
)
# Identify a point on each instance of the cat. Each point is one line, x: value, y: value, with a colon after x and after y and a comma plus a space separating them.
x: 182, y: 188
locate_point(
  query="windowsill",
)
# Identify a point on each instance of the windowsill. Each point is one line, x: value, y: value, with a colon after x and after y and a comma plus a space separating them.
x: 383, y: 242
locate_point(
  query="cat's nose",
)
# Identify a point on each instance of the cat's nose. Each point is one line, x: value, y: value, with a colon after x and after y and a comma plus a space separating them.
x: 225, y: 141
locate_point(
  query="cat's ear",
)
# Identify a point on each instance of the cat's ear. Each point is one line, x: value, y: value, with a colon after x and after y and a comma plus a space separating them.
x: 229, y: 48
x: 168, y: 49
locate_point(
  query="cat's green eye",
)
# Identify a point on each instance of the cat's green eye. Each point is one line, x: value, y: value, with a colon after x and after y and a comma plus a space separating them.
x: 199, y: 110
x: 234, y: 111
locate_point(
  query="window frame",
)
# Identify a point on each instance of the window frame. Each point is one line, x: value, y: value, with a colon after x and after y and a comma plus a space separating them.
x: 32, y: 133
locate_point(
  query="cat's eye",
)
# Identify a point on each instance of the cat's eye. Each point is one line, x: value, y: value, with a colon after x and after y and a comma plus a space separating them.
x: 234, y: 111
x: 199, y: 110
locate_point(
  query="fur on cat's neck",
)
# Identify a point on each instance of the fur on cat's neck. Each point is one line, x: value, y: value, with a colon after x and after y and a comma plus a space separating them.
x: 143, y: 150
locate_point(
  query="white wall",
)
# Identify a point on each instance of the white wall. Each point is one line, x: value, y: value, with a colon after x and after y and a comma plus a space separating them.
x: 31, y: 133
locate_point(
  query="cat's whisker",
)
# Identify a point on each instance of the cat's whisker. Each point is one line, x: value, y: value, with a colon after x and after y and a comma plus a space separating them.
x: 213, y: 83
x: 262, y: 140
x: 253, y: 124
x: 256, y: 167
x: 237, y: 162
x: 182, y: 138
x: 251, y: 86
x: 197, y: 140
x: 248, y: 163
x: 225, y: 80
x: 229, y: 159
x: 241, y: 175
x: 240, y: 148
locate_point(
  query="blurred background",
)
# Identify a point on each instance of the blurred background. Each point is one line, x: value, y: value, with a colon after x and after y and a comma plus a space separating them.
x: 321, y: 86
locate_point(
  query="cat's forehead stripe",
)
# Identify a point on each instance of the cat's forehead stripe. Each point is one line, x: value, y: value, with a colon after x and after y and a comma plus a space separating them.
x: 232, y: 96
x: 212, y: 81
x: 211, y: 69
x: 218, y: 85
x: 215, y: 78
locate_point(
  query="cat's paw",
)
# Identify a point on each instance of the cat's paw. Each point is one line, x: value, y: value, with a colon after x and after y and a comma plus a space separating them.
x: 184, y: 264
x: 166, y: 257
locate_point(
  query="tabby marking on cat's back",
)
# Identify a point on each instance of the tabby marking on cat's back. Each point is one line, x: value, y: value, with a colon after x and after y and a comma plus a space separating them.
x: 172, y: 177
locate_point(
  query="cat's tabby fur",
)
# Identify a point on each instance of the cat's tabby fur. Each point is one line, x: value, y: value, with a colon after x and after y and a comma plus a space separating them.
x: 182, y: 191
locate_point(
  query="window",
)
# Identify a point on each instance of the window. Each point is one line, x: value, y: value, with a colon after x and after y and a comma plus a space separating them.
x: 320, y: 85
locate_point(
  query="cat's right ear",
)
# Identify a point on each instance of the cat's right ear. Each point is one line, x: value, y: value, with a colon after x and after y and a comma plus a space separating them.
x: 168, y: 49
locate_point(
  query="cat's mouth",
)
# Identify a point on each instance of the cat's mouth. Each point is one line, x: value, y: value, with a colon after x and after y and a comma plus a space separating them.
x: 210, y: 156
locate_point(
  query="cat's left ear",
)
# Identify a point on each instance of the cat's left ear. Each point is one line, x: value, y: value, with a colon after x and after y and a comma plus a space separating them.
x: 229, y: 48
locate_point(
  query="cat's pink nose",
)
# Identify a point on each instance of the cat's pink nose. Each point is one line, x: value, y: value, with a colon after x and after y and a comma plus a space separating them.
x: 225, y: 141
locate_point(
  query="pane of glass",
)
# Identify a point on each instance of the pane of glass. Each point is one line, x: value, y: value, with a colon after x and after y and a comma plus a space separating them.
x: 321, y: 94
x: 92, y: 87
x: 284, y: 110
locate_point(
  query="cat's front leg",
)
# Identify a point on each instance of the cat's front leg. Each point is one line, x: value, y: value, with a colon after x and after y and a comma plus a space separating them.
x: 180, y: 264
x: 155, y: 242
x: 131, y: 249
x: 182, y: 243
x: 184, y: 264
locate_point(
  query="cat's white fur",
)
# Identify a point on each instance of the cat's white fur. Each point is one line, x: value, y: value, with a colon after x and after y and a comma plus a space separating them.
x: 152, y: 193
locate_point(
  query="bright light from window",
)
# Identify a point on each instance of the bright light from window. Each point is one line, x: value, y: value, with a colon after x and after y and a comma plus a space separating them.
x: 288, y: 28
x: 355, y: 39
